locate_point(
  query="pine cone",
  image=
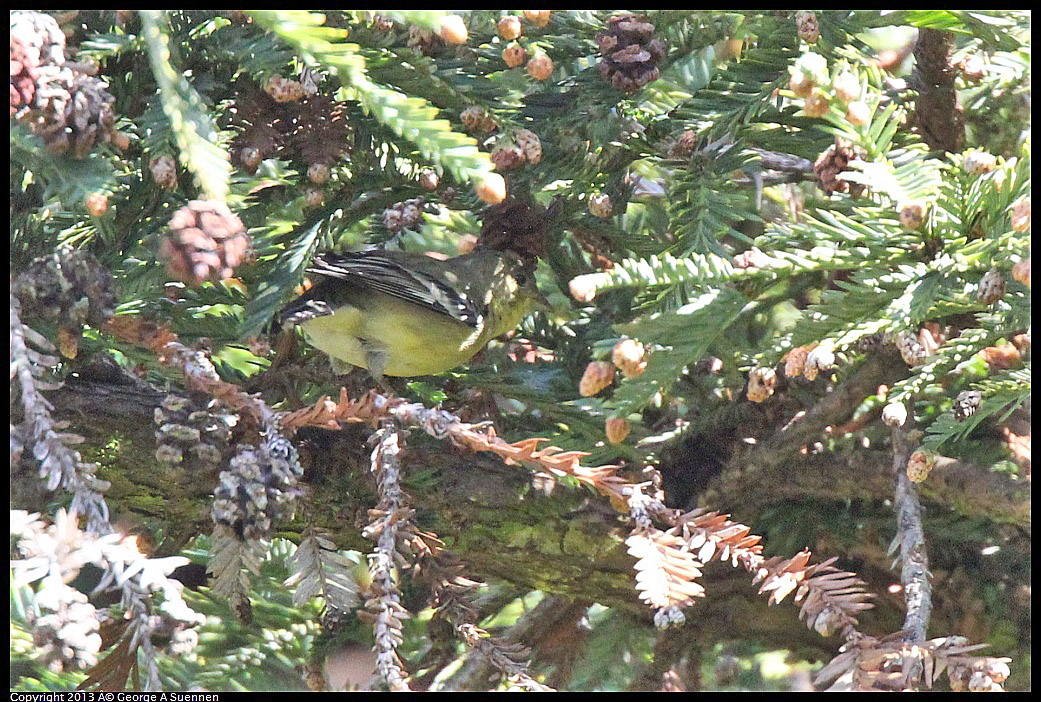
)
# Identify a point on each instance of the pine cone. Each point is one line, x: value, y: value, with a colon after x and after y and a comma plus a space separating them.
x: 164, y: 171
x: 477, y: 121
x: 761, y: 384
x: 284, y: 89
x: 69, y: 286
x: 403, y: 215
x: 874, y: 342
x: 65, y: 630
x: 262, y: 124
x: 515, y: 225
x: 600, y: 205
x: 529, y: 144
x: 424, y: 41
x: 597, y: 376
x: 684, y: 145
x: 255, y: 491
x: 617, y: 429
x: 37, y: 47
x: 73, y: 111
x: 206, y: 241
x: 992, y: 287
x: 911, y: 348
x: 630, y: 357
x: 966, y: 404
x: 24, y: 73
x: 833, y: 161
x: 807, y: 26
x: 320, y: 131
x: 630, y: 52
x: 919, y: 465
x: 514, y: 55
x: 191, y: 436
x: 40, y: 36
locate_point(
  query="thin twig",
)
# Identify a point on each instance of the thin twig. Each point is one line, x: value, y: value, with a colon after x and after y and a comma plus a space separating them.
x: 913, y: 558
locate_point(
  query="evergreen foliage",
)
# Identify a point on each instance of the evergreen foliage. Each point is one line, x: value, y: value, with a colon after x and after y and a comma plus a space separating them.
x: 817, y: 287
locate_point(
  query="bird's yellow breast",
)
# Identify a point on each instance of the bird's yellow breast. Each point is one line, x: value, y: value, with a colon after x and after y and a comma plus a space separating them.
x: 416, y: 341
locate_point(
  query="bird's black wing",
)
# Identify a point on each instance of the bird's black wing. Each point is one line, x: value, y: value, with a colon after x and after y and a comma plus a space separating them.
x: 374, y: 271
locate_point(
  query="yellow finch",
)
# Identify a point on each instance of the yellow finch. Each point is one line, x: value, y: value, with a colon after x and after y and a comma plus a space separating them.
x: 404, y: 314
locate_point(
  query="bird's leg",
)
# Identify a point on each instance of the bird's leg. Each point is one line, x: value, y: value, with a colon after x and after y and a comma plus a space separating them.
x: 376, y: 362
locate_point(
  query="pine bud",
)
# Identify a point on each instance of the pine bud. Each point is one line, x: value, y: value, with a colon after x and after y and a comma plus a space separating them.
x: 617, y: 429
x: 318, y: 173
x: 529, y: 144
x: 1002, y: 357
x: 491, y: 189
x: 598, y: 375
x: 1021, y: 214
x: 97, y: 204
x: 428, y: 179
x: 820, y: 359
x: 801, y: 84
x: 972, y: 67
x: 761, y: 384
x: 912, y: 215
x: 250, y: 158
x: 453, y: 29
x: 630, y: 357
x: 121, y: 140
x: 540, y: 18
x: 814, y: 66
x: 467, y: 243
x: 582, y: 288
x: 858, y: 114
x: 164, y: 171
x: 795, y: 361
x: 600, y: 205
x: 1021, y: 272
x: 476, y: 120
x: 540, y: 66
x: 966, y: 404
x: 514, y: 55
x: 847, y: 87
x: 283, y: 90
x: 894, y: 414
x: 992, y: 287
x: 808, y: 27
x: 978, y: 162
x: 816, y: 105
x: 919, y: 465
x: 510, y: 27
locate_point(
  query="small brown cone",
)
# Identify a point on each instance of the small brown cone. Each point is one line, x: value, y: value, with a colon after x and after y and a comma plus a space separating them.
x: 491, y: 189
x: 540, y: 66
x: 617, y: 430
x: 453, y: 30
x: 630, y: 357
x: 761, y: 384
x: 598, y: 375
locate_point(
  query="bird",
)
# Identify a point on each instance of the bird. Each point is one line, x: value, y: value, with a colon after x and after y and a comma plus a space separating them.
x: 404, y: 314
